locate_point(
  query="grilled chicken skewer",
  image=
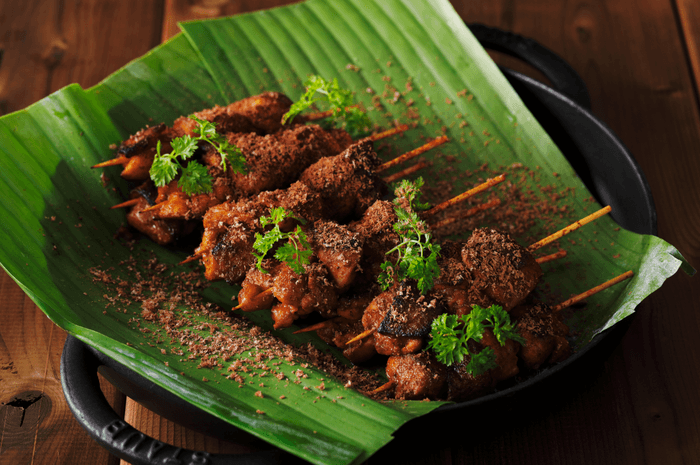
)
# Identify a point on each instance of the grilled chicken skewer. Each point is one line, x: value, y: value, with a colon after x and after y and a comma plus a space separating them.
x: 420, y: 376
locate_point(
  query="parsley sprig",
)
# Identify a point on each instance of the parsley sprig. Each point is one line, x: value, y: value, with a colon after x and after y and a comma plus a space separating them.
x: 295, y: 252
x: 417, y: 256
x: 450, y: 335
x: 345, y: 115
x: 194, y: 177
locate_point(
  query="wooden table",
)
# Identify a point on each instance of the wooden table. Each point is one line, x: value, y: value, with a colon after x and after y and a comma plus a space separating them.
x: 641, y: 62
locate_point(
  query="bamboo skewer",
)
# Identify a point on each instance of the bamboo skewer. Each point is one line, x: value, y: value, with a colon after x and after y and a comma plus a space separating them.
x: 389, y: 132
x: 263, y: 293
x: 592, y: 291
x: 128, y: 203
x: 314, y: 327
x: 324, y: 114
x: 572, y: 227
x: 403, y: 173
x: 191, y: 258
x: 362, y: 335
x: 471, y: 212
x: 413, y: 153
x: 465, y: 195
x: 551, y: 257
x: 153, y: 207
x: 384, y: 387
x: 113, y: 162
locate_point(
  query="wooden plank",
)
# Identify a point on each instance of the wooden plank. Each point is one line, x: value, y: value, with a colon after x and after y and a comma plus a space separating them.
x: 689, y: 15
x: 36, y: 425
x: 70, y: 45
x: 67, y: 45
x: 184, y: 10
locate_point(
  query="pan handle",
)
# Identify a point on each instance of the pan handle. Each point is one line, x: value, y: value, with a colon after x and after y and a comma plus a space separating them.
x: 562, y: 76
x: 90, y: 407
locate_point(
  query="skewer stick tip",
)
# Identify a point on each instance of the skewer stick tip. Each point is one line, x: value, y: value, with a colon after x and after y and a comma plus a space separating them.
x: 592, y: 291
x: 153, y: 207
x: 413, y: 153
x: 465, y: 195
x: 389, y: 132
x: 572, y: 227
x: 191, y: 258
x: 128, y: 203
x: 551, y: 257
x: 471, y: 212
x: 314, y: 327
x: 384, y: 387
x: 112, y: 162
x: 362, y: 335
x: 406, y: 172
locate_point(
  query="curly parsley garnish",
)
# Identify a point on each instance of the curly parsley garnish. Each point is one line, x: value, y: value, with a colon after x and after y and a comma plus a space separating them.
x: 450, y: 335
x: 345, y: 115
x: 194, y: 177
x: 417, y: 256
x: 295, y: 252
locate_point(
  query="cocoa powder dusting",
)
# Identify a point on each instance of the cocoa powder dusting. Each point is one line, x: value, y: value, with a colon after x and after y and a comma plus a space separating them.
x: 168, y: 309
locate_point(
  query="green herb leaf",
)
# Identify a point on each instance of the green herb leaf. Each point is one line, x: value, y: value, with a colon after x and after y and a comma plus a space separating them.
x: 164, y: 168
x: 417, y: 256
x: 295, y: 253
x: 194, y: 177
x: 344, y: 115
x: 411, y: 191
x: 184, y: 146
x: 450, y: 335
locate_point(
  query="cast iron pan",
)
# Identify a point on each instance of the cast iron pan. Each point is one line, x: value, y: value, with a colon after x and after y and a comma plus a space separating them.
x: 599, y: 158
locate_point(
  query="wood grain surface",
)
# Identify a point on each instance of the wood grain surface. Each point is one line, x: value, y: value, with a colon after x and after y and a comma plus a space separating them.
x: 641, y: 62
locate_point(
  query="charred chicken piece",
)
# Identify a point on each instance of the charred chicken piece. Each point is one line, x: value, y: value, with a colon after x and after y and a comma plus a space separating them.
x: 506, y: 356
x: 462, y: 385
x: 230, y: 227
x: 545, y: 335
x: 299, y: 295
x: 411, y: 314
x: 276, y: 160
x: 340, y: 331
x: 503, y: 270
x: 159, y: 231
x: 377, y: 234
x: 455, y: 283
x: 255, y: 293
x: 289, y: 295
x: 139, y: 150
x: 417, y: 376
x: 346, y: 182
x: 339, y: 249
x: 390, y: 315
x: 265, y: 111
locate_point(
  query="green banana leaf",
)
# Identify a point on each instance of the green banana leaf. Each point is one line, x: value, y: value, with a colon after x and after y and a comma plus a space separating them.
x: 407, y: 60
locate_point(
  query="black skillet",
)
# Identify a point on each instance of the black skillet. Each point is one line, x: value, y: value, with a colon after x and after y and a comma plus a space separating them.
x: 598, y: 157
